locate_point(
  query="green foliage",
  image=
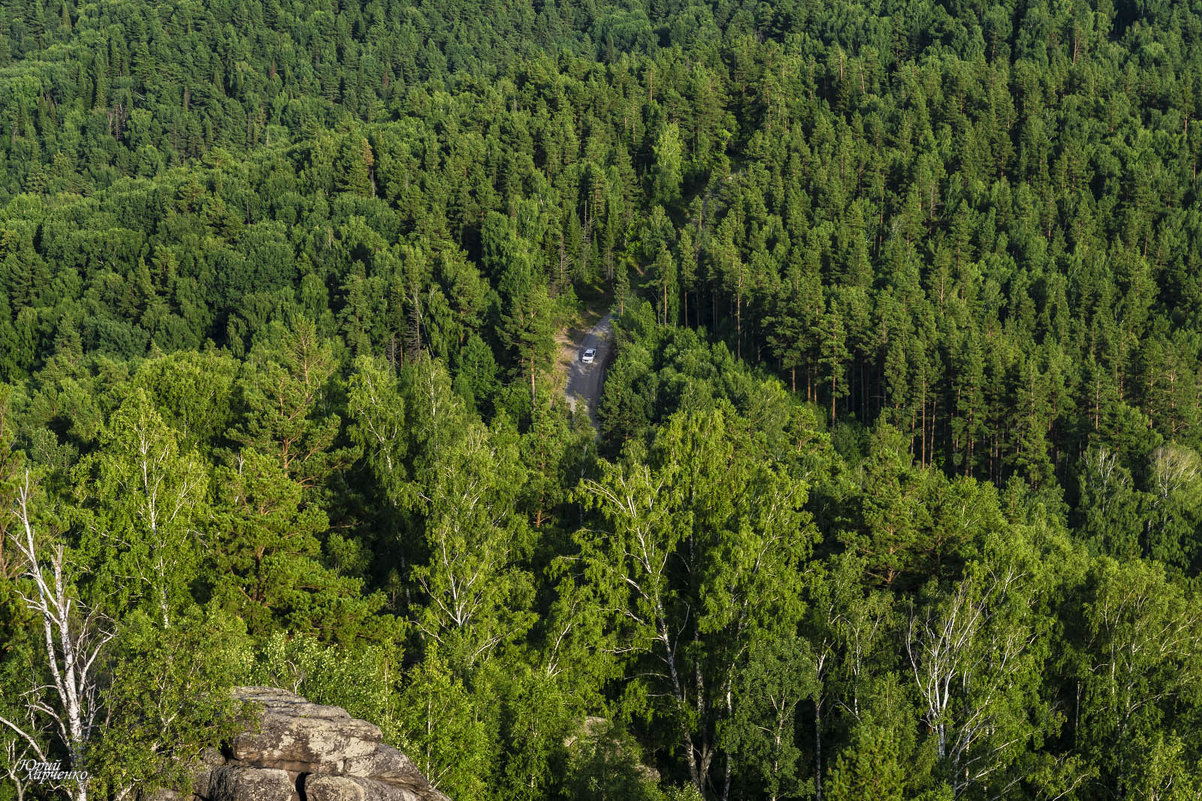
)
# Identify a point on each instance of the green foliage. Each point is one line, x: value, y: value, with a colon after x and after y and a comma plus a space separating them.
x: 266, y: 558
x: 477, y: 593
x: 780, y: 674
x: 871, y: 767
x: 169, y: 698
x: 705, y: 538
x: 605, y: 763
x: 443, y: 731
x: 535, y: 728
x: 896, y: 487
x: 359, y: 678
x: 1137, y: 657
x: 148, y: 501
x: 284, y: 393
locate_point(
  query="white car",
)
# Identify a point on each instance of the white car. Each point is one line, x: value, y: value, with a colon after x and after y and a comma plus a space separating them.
x: 588, y: 356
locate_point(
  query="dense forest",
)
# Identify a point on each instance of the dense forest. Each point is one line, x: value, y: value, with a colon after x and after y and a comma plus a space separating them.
x: 897, y: 488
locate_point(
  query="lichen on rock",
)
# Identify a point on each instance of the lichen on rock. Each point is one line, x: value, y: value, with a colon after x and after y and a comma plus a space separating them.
x: 301, y: 751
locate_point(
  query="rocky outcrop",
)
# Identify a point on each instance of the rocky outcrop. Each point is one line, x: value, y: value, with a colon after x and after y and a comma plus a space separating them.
x: 251, y: 784
x: 300, y: 736
x: 301, y: 751
x: 349, y: 788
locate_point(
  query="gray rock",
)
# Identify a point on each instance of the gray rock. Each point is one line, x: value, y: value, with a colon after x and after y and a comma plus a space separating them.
x: 354, y: 788
x: 387, y: 764
x: 210, y: 759
x: 297, y: 745
x: 387, y: 791
x: 333, y: 788
x: 240, y: 783
x: 290, y: 704
x: 300, y: 736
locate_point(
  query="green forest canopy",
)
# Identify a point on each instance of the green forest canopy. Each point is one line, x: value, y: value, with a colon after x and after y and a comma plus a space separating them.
x: 897, y: 492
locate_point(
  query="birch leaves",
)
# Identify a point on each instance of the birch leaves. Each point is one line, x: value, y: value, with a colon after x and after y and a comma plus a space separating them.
x: 700, y: 560
x: 458, y: 483
x: 146, y: 498
x: 479, y: 598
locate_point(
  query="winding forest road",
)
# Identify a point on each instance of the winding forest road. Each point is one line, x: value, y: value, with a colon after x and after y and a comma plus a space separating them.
x: 585, y: 380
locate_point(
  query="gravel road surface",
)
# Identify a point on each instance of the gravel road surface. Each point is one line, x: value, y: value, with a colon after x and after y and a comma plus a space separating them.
x: 585, y: 380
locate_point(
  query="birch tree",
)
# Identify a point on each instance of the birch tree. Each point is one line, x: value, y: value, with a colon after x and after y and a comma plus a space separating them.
x: 72, y: 638
x: 975, y: 654
x: 377, y: 413
x: 148, y: 501
x: 478, y: 597
x: 1138, y: 674
x: 852, y: 630
x: 701, y: 552
x: 167, y: 699
x: 781, y: 672
x: 11, y: 469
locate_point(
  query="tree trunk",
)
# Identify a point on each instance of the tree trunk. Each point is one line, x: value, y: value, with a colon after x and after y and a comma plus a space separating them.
x: 832, y: 399
x: 818, y: 748
x: 533, y: 393
x: 739, y: 326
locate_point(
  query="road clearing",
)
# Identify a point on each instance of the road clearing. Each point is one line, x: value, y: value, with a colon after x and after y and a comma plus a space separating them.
x: 586, y: 379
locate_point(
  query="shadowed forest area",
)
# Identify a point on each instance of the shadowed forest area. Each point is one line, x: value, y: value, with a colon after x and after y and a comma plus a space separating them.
x: 898, y: 488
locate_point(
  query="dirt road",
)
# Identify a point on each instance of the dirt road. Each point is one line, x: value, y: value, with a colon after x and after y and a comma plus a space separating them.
x: 585, y: 380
